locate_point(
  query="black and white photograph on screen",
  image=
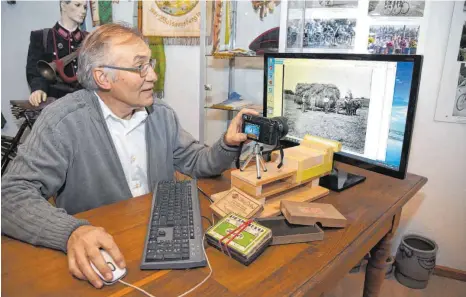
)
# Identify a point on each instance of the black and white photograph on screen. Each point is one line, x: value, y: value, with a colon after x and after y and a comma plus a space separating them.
x: 331, y: 3
x: 462, y: 49
x: 404, y: 8
x: 329, y: 33
x: 464, y: 6
x: 459, y: 108
x: 330, y: 104
x: 294, y: 34
x: 393, y: 39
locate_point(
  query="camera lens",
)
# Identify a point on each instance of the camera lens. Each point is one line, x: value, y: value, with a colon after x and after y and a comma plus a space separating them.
x: 282, y: 123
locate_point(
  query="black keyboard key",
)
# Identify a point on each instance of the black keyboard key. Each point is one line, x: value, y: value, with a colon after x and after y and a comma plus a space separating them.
x: 158, y: 257
x: 151, y: 256
x: 171, y: 256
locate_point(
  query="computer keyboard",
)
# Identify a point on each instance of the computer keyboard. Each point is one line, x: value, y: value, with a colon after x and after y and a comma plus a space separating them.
x: 174, y: 233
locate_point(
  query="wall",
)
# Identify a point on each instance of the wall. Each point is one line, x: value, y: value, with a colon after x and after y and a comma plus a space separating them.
x: 182, y: 77
x: 438, y: 152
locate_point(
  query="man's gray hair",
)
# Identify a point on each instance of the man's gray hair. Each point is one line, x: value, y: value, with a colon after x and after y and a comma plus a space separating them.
x: 95, y: 51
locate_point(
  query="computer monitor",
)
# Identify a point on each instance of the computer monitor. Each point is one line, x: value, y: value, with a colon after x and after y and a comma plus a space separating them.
x: 366, y: 102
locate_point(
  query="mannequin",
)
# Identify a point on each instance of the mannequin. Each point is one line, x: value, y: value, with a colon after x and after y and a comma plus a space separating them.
x: 54, y: 43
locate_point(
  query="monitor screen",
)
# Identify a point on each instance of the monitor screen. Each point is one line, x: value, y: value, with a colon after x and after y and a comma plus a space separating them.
x: 362, y: 101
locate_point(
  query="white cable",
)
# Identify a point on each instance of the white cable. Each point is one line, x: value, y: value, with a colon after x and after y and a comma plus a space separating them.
x: 210, y: 273
x: 185, y: 293
x: 134, y: 287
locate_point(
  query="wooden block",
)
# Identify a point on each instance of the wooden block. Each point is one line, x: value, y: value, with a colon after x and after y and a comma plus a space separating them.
x: 245, y: 187
x: 320, y: 143
x: 249, y: 175
x: 302, y: 213
x: 238, y: 202
x: 307, y: 161
x: 299, y: 157
x: 304, y: 193
x: 272, y: 182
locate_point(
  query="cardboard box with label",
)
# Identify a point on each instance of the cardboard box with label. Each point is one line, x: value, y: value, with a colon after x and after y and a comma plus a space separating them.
x: 303, y: 213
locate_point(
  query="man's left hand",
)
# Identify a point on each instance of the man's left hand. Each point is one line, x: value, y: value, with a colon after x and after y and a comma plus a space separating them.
x: 234, y: 135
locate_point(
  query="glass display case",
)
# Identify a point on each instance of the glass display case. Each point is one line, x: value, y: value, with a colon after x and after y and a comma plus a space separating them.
x: 235, y: 36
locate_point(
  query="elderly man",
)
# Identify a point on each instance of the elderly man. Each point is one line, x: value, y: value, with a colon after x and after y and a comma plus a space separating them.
x: 101, y: 145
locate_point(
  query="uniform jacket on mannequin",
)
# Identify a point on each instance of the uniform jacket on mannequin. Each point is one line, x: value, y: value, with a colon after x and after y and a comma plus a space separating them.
x: 59, y: 42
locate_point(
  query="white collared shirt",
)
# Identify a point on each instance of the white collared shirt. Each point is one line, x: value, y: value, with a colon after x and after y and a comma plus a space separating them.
x: 130, y: 142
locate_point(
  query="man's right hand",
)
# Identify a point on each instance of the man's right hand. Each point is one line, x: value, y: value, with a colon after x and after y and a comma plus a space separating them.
x: 37, y: 97
x: 83, y: 248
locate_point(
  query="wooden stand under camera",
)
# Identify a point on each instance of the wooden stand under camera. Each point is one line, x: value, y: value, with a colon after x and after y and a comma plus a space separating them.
x: 297, y: 180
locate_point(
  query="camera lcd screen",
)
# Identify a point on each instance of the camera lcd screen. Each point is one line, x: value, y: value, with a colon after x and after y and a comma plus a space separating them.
x: 252, y: 130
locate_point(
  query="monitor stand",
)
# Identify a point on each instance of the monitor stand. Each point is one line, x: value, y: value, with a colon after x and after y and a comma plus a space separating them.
x: 339, y: 180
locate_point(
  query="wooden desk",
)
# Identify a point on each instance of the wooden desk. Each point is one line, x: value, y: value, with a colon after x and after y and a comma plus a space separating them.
x: 372, y: 208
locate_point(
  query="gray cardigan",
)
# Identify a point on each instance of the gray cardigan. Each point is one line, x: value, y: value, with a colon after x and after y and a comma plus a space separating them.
x: 70, y: 153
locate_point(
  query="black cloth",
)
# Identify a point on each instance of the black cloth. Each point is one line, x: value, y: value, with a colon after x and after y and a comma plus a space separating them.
x: 66, y: 43
x: 3, y: 121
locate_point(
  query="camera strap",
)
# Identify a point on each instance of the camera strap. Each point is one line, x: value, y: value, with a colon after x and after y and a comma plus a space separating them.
x: 282, y: 155
x: 239, y: 155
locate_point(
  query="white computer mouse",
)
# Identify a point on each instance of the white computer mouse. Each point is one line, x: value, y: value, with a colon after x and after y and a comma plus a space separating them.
x: 118, y: 273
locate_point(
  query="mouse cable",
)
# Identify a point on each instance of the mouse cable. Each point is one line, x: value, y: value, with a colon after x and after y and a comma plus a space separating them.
x: 185, y: 293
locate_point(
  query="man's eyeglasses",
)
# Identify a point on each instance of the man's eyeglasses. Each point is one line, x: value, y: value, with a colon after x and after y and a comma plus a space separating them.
x: 142, y: 69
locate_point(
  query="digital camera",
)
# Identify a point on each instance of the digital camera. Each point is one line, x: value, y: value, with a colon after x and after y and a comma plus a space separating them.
x: 265, y: 130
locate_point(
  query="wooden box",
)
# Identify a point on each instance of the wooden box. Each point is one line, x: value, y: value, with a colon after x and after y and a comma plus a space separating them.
x: 236, y: 201
x: 304, y: 213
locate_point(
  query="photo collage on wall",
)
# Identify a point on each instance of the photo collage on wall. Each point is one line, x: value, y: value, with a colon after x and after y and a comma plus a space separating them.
x: 393, y: 25
x: 395, y: 38
x: 305, y: 31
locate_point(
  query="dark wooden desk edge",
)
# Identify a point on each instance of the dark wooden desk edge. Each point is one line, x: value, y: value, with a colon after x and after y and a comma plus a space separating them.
x: 318, y: 285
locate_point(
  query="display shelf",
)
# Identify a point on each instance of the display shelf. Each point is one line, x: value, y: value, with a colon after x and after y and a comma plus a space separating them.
x: 227, y: 72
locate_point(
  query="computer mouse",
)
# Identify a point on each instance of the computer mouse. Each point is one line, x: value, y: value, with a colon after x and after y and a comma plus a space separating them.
x: 117, y: 272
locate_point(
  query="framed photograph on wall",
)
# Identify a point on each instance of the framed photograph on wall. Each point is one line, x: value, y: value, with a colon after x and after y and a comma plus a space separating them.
x: 393, y: 39
x: 395, y: 8
x: 329, y: 33
x: 332, y: 4
x: 451, y: 100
